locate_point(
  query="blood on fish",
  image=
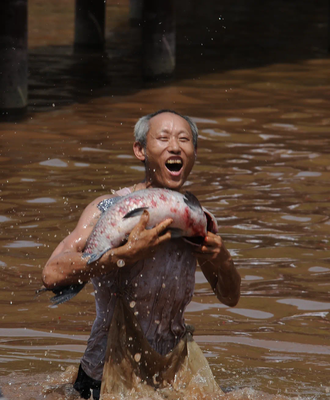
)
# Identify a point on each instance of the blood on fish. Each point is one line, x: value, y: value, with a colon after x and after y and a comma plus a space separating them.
x: 163, y: 197
x: 161, y: 203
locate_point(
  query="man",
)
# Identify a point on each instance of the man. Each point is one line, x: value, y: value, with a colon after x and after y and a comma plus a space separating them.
x: 158, y: 274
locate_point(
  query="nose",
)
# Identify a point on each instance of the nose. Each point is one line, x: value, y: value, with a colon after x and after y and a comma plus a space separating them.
x: 174, y: 145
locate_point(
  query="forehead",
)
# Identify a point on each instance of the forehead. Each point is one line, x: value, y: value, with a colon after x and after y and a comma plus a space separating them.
x: 170, y: 122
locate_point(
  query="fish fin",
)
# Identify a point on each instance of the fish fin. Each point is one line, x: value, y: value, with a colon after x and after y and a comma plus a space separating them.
x: 191, y: 201
x: 195, y: 241
x: 41, y: 290
x: 135, y: 212
x: 65, y: 293
x: 105, y: 204
x: 176, y: 232
x: 94, y: 256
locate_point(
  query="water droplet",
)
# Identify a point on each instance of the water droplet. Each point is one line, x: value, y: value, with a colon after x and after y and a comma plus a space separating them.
x: 120, y: 263
x: 132, y: 304
x: 137, y: 357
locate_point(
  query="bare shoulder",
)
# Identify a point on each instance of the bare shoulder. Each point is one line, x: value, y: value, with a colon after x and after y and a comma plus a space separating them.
x: 92, y: 213
x: 77, y: 239
x: 98, y: 200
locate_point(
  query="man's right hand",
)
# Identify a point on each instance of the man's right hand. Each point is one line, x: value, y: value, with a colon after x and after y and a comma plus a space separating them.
x: 66, y: 265
x: 141, y: 242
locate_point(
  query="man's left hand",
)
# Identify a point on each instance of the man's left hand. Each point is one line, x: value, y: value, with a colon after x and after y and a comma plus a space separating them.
x: 218, y: 267
x: 210, y: 249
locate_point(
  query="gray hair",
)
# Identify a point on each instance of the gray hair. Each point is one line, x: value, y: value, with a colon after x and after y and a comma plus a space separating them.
x: 142, y: 127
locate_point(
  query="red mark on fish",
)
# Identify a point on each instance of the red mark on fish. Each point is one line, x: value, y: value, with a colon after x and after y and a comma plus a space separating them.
x: 116, y: 223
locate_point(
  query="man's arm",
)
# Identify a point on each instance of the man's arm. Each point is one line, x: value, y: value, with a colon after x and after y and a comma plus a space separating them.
x: 218, y: 267
x: 67, y: 266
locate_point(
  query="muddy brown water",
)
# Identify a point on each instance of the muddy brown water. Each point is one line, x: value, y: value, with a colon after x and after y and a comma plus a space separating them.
x: 263, y: 169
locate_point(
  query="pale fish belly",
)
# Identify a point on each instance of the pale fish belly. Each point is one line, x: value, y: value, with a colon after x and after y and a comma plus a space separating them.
x: 119, y: 220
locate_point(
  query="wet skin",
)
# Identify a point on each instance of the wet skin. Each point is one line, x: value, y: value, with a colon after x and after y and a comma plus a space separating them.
x: 169, y: 140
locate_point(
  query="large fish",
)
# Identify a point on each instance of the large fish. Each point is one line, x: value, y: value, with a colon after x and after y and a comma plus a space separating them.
x: 116, y: 223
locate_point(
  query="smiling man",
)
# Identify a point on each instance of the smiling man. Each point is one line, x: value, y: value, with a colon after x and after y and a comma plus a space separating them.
x: 157, y: 281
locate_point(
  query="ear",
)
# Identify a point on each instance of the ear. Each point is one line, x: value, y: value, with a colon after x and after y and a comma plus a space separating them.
x: 139, y: 151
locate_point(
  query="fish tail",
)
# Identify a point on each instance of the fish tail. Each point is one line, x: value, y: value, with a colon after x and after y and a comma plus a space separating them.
x: 65, y: 293
x: 95, y: 256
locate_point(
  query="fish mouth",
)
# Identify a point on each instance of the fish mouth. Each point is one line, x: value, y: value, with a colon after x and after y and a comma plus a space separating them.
x: 174, y: 165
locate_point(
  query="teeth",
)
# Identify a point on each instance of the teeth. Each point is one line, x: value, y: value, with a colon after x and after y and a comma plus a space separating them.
x: 173, y: 162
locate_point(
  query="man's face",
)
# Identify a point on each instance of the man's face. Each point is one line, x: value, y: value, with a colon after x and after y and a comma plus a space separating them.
x: 170, y: 152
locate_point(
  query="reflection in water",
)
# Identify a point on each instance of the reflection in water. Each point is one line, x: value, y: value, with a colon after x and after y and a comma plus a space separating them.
x: 262, y: 169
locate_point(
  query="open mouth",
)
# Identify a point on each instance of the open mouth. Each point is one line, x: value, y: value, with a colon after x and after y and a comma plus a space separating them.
x: 174, y: 165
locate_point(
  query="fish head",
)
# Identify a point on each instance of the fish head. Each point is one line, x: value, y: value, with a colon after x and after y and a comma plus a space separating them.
x: 196, y: 217
x: 212, y: 225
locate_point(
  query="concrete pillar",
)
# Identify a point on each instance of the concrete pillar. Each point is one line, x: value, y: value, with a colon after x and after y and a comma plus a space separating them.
x: 13, y: 58
x: 329, y: 26
x: 158, y: 39
x: 135, y: 12
x: 89, y: 25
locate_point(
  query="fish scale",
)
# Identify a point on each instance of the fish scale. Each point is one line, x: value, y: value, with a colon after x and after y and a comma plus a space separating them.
x: 117, y: 221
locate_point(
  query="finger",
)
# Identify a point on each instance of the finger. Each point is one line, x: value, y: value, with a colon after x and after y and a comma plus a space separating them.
x: 164, y: 238
x: 208, y: 247
x: 163, y: 225
x: 141, y: 225
x: 204, y: 250
x: 212, y: 241
x: 197, y: 252
x: 145, y: 216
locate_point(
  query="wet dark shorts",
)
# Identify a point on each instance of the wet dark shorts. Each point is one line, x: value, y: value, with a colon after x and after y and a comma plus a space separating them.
x: 87, y: 386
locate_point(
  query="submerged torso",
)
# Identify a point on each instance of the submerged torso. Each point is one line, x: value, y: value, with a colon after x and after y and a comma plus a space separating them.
x: 157, y: 289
